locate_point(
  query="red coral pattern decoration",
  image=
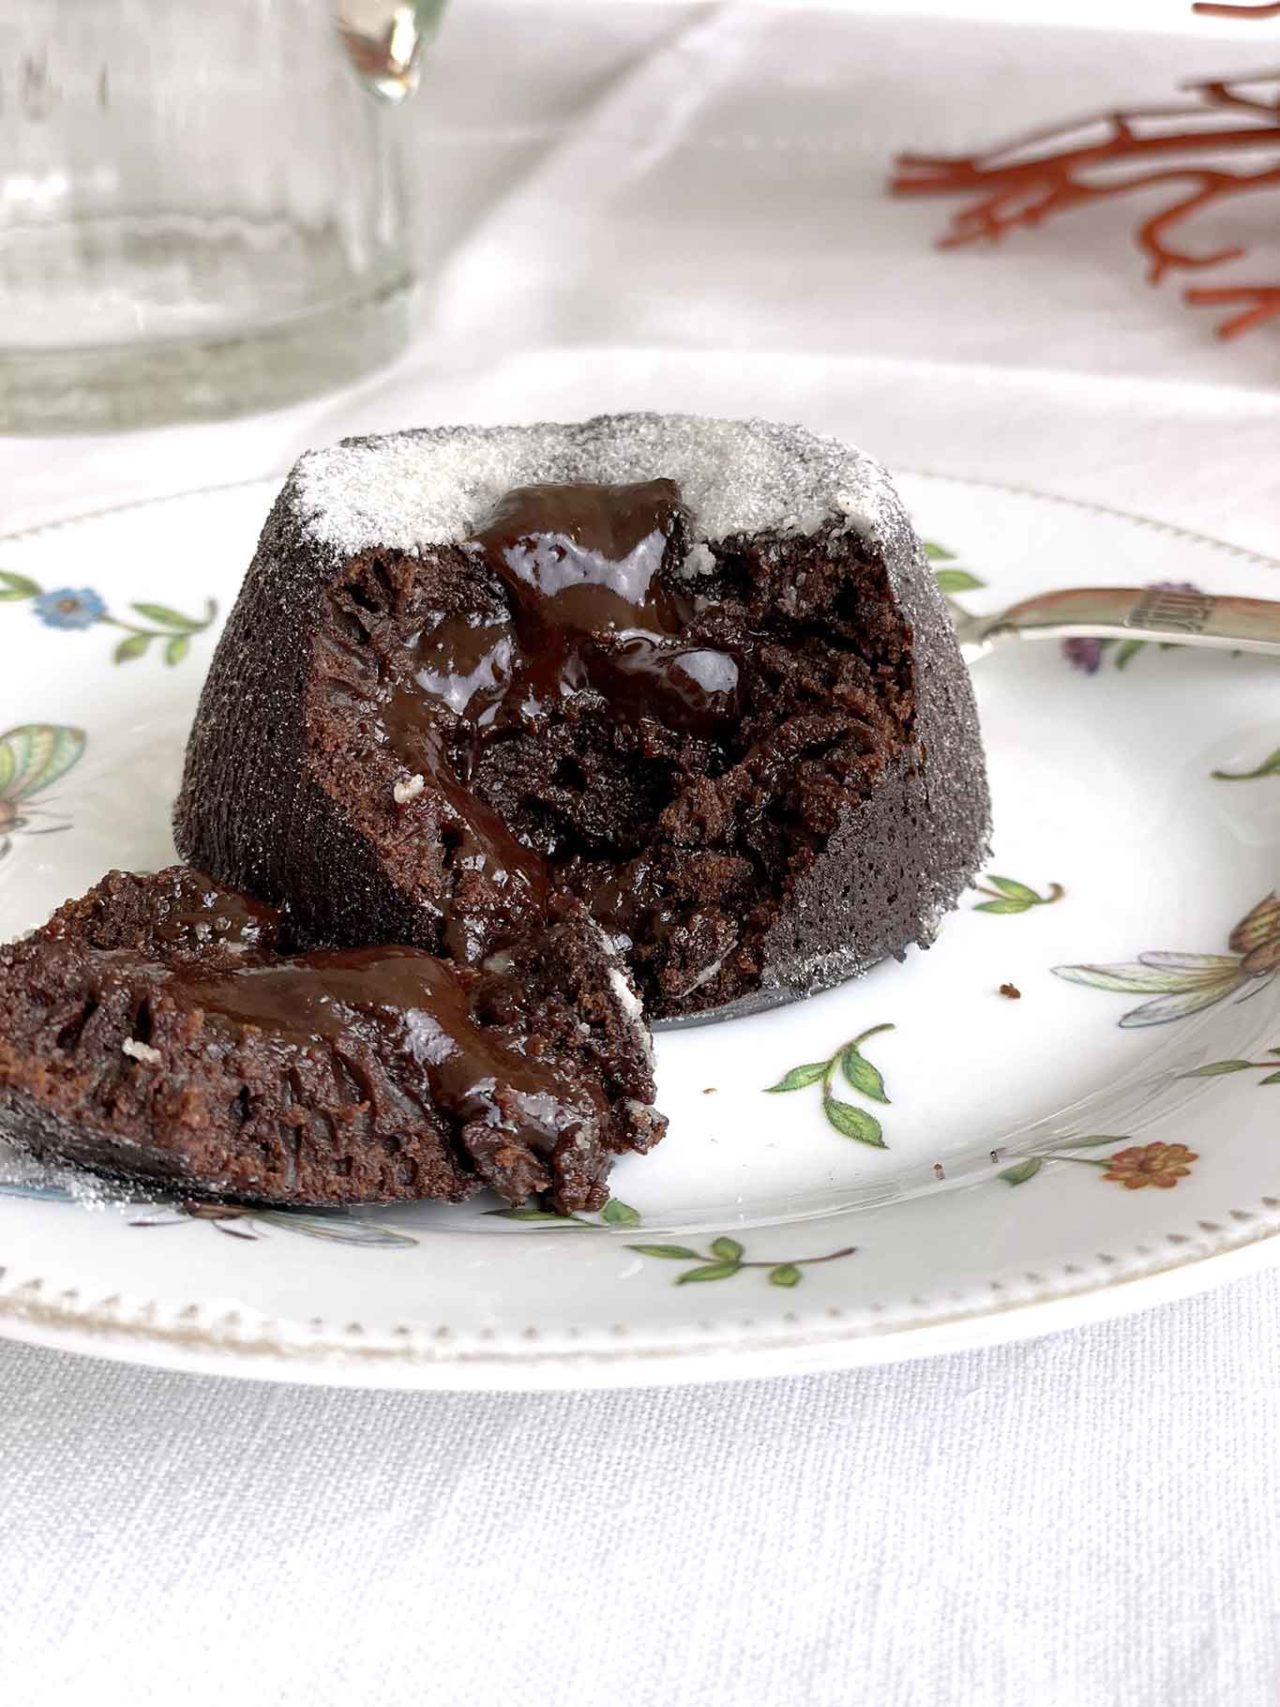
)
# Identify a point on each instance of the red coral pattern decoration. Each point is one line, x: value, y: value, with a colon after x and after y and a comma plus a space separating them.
x: 1183, y: 148
x: 1218, y: 9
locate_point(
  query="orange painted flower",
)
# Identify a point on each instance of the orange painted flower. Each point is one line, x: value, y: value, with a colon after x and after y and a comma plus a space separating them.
x: 1162, y: 1165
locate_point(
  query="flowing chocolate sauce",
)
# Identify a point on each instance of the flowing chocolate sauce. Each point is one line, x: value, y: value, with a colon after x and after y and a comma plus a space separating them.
x: 330, y: 995
x: 589, y: 612
x: 580, y: 565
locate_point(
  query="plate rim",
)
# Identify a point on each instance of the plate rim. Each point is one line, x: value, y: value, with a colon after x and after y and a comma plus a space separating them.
x: 144, y: 1342
x: 347, y: 1357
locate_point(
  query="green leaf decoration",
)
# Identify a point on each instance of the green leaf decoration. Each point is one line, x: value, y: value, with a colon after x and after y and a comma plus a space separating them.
x: 708, y: 1271
x: 853, y: 1122
x: 952, y: 581
x: 799, y: 1077
x: 1021, y: 1172
x: 847, y: 1119
x: 618, y: 1214
x: 1271, y: 1079
x: 1270, y: 766
x: 1030, y: 1166
x: 168, y: 618
x: 1016, y: 891
x: 527, y: 1212
x: 730, y: 1259
x: 1127, y: 651
x: 861, y: 1075
x: 938, y: 553
x: 177, y: 648
x: 132, y: 646
x: 1214, y: 1068
x: 17, y: 586
x: 1010, y: 896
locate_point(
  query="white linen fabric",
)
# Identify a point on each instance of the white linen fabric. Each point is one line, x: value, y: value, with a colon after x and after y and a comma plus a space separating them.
x: 671, y: 206
x: 1085, y: 1519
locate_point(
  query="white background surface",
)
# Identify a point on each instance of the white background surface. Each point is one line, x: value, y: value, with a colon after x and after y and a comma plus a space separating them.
x: 671, y: 196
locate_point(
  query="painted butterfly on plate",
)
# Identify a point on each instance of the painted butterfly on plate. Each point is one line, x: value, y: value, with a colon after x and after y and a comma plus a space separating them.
x: 33, y: 756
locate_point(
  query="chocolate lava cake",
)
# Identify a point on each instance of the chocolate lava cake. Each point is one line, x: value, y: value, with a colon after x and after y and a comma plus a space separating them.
x: 695, y: 673
x: 156, y: 1030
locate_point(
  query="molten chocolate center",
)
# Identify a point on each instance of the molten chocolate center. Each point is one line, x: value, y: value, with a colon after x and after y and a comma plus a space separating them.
x: 331, y: 995
x: 590, y: 612
x: 580, y: 565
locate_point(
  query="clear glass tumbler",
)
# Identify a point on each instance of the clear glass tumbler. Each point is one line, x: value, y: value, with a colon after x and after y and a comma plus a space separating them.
x: 202, y: 208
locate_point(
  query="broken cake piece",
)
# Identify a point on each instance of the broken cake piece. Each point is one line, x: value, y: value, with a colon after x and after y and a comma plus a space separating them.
x: 155, y: 1030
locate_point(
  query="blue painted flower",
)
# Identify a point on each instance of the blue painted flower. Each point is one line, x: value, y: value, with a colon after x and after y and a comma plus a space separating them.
x: 70, y: 607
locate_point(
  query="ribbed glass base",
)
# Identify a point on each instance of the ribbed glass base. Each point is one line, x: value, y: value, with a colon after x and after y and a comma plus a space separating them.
x: 112, y: 387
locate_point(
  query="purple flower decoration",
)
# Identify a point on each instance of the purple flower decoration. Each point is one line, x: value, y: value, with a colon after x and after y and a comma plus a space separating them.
x: 1083, y: 653
x: 69, y: 607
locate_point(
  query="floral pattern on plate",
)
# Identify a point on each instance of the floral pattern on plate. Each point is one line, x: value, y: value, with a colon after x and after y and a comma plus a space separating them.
x: 1008, y: 895
x: 1270, y: 766
x: 1137, y: 1165
x: 848, y: 1119
x: 724, y: 1259
x: 72, y: 609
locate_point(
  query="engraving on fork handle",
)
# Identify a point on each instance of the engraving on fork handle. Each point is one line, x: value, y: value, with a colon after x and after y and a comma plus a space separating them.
x: 1173, y: 610
x: 1223, y: 620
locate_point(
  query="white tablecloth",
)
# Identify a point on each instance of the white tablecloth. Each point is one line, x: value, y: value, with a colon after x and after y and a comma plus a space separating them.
x: 679, y: 206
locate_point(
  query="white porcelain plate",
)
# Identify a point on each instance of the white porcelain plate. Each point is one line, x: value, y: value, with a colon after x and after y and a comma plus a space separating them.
x: 913, y: 1162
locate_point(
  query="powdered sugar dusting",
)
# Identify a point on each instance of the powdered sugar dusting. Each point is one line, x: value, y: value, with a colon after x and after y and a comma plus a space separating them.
x: 624, y: 991
x: 141, y: 1051
x: 432, y: 486
x: 699, y: 561
x: 408, y: 788
x: 58, y: 1182
x: 628, y: 1001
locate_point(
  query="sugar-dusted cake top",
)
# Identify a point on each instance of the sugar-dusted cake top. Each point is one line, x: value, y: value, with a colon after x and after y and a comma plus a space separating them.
x: 434, y: 485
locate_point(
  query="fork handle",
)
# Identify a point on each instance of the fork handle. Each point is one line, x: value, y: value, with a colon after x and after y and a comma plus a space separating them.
x: 1144, y: 613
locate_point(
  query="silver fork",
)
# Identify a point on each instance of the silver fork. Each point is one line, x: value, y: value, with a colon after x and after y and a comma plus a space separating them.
x: 1126, y: 613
